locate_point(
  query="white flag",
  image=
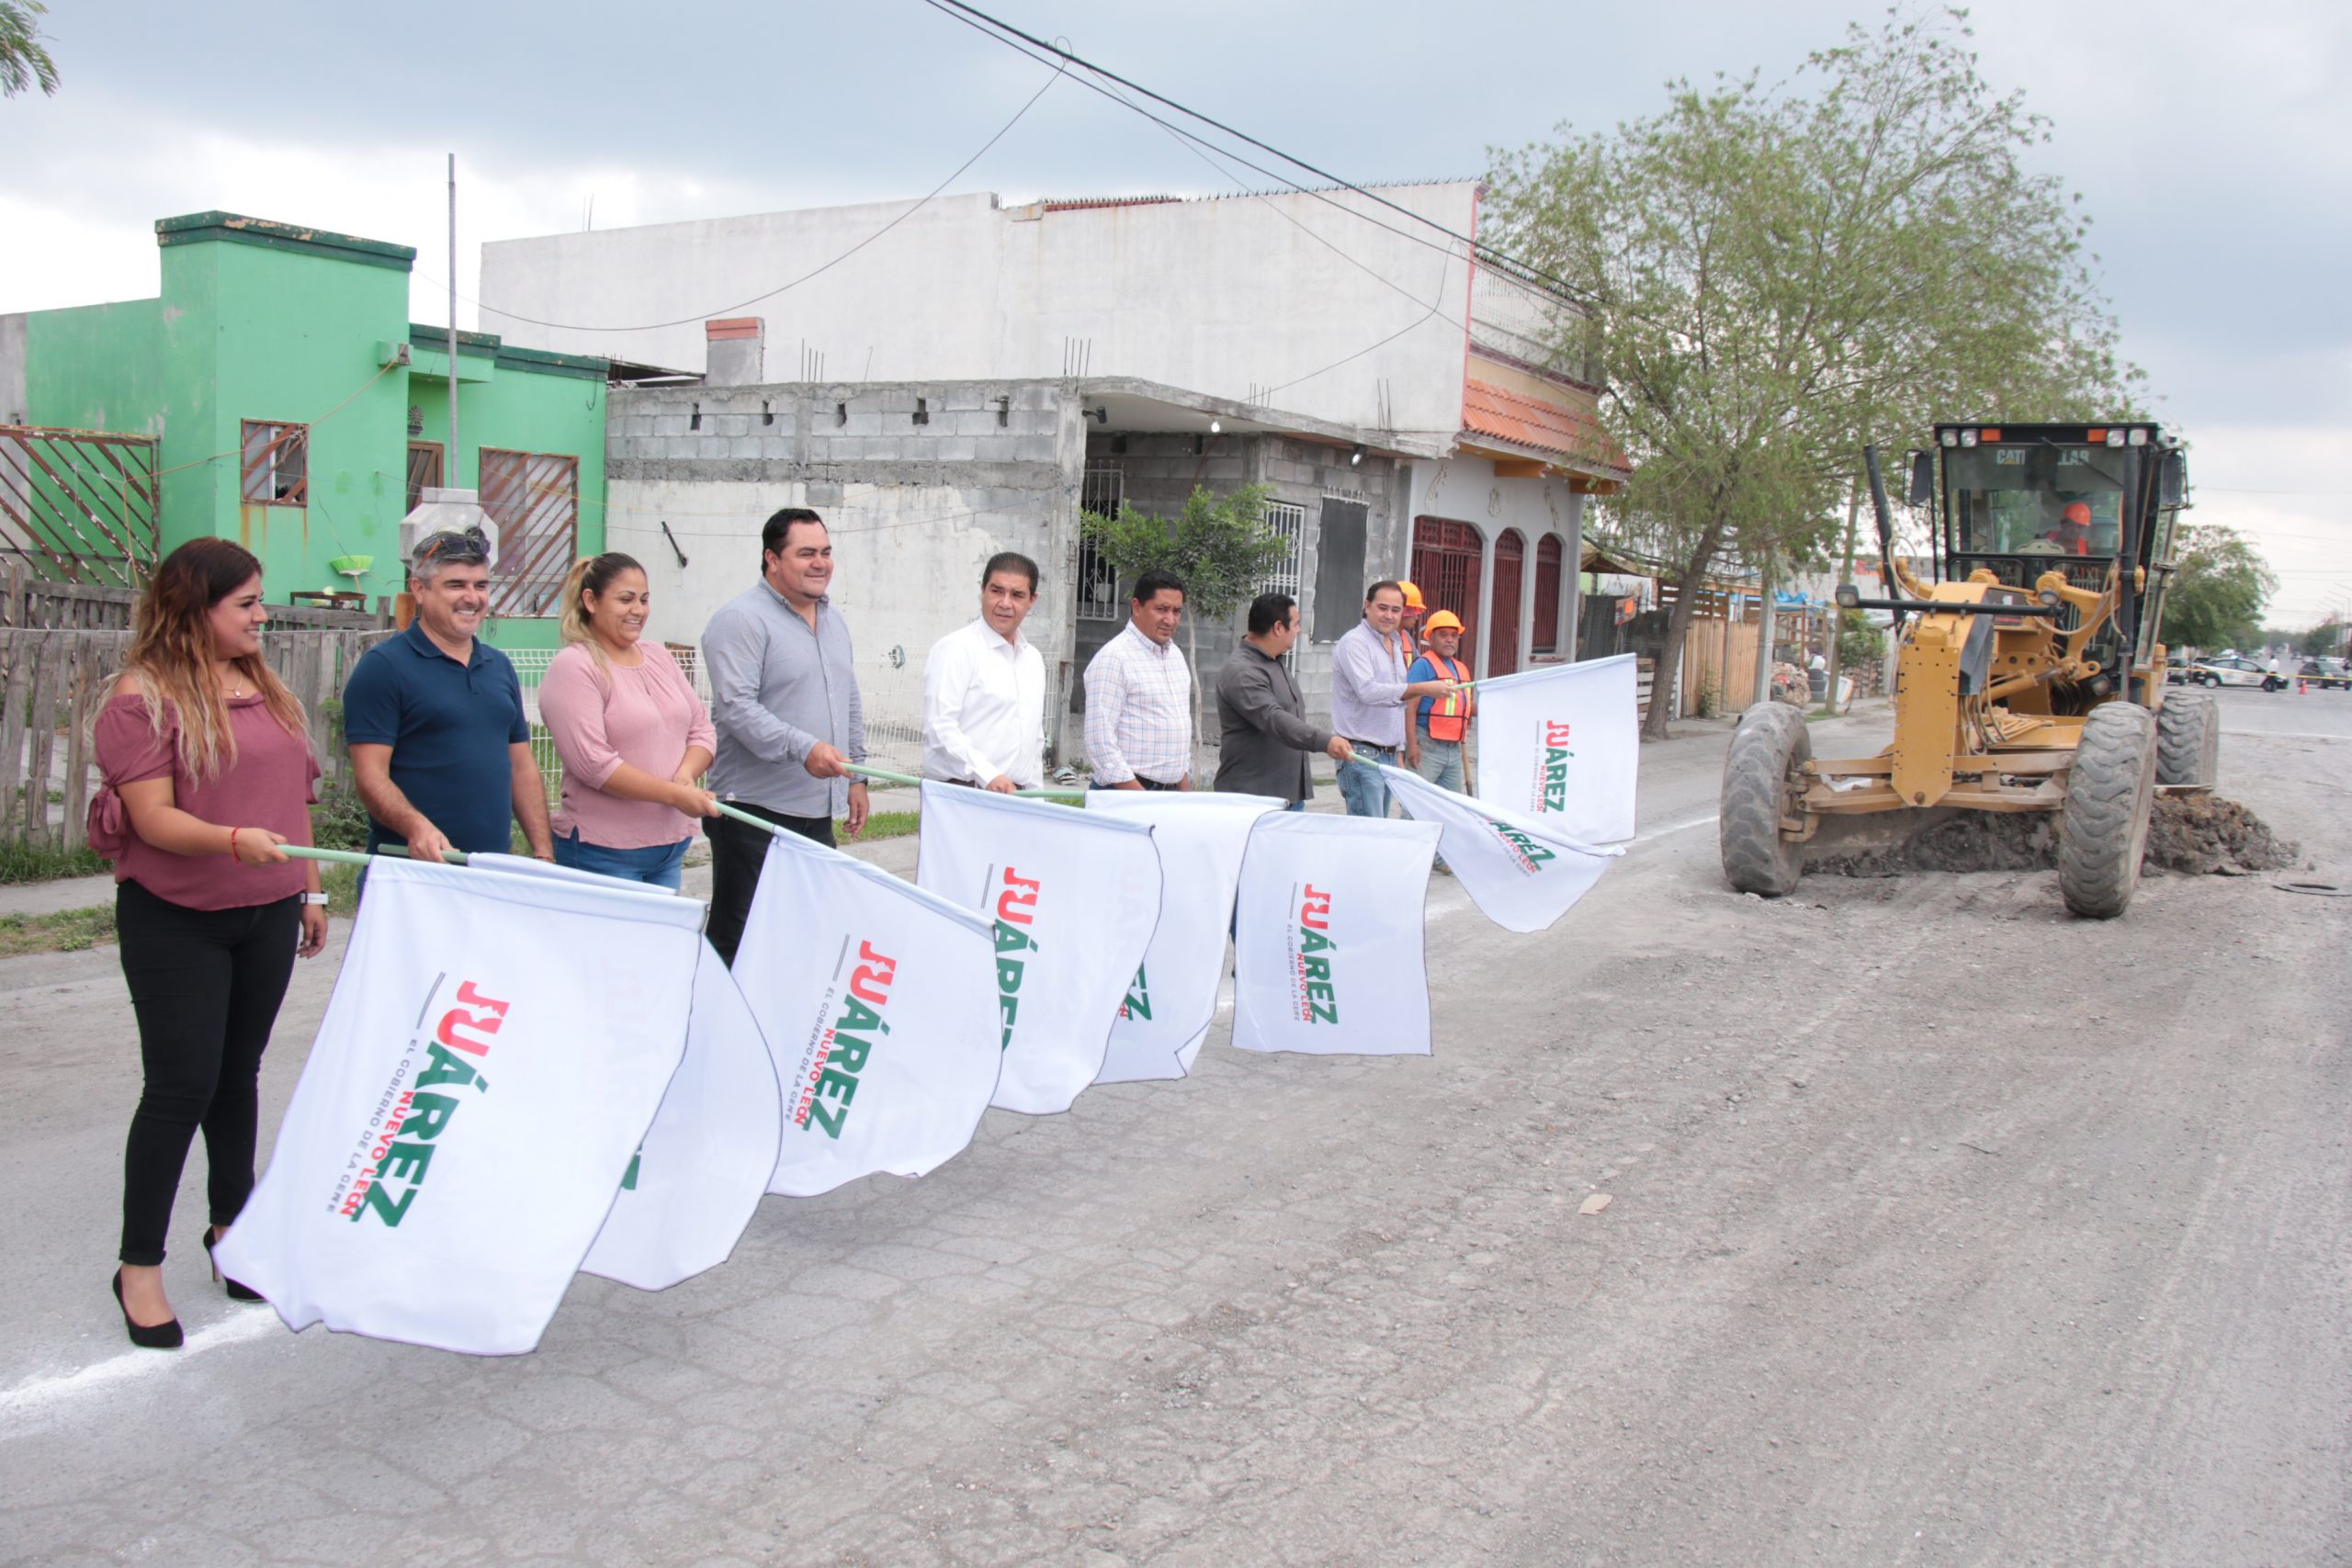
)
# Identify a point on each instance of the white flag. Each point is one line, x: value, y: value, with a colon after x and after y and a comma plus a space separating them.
x: 1521, y: 871
x: 694, y: 1183
x: 1073, y: 896
x: 1328, y: 956
x: 1563, y: 744
x: 1173, y: 999
x: 703, y: 1166
x: 490, y: 1059
x: 879, y: 1003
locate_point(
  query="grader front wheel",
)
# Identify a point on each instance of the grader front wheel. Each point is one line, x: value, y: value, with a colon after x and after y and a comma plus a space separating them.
x: 2104, y: 829
x: 1761, y: 778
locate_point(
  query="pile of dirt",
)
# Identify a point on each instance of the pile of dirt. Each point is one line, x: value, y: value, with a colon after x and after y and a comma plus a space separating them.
x: 1974, y: 841
x: 2195, y: 833
x: 2204, y: 833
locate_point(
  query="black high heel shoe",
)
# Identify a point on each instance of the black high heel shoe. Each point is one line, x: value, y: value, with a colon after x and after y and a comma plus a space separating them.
x: 237, y: 1293
x: 157, y: 1336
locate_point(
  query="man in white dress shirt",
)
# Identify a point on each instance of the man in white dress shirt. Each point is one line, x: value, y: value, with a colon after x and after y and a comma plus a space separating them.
x: 984, y: 689
x: 1139, y: 694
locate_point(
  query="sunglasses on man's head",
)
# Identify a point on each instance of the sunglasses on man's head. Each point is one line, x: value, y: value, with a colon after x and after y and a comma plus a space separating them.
x: 454, y: 545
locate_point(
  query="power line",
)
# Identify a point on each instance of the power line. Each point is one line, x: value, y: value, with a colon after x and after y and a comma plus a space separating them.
x: 805, y: 277
x: 1507, y: 260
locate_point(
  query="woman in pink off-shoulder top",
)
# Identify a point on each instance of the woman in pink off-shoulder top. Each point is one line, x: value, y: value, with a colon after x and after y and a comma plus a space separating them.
x: 208, y: 767
x: 633, y: 736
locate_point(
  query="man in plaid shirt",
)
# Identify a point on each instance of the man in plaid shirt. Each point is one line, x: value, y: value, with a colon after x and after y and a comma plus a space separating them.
x: 1140, y: 695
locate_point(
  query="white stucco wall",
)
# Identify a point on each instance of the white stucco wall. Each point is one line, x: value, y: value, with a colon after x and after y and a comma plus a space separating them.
x: 1287, y: 296
x: 1466, y: 490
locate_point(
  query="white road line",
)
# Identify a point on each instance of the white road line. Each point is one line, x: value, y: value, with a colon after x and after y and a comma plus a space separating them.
x: 130, y: 1367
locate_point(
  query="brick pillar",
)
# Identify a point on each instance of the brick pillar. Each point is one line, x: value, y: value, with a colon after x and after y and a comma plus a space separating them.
x: 733, y: 350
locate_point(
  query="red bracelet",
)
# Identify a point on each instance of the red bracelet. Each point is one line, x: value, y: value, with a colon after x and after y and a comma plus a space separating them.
x: 232, y: 842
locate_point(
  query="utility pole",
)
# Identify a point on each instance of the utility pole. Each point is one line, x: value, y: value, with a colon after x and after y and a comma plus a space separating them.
x: 1764, y: 632
x: 450, y: 477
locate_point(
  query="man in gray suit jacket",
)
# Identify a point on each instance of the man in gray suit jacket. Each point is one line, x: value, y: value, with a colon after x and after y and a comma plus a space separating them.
x: 1266, y: 738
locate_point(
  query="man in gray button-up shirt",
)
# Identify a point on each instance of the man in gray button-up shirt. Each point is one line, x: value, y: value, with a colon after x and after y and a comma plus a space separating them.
x: 1368, y: 695
x: 785, y: 701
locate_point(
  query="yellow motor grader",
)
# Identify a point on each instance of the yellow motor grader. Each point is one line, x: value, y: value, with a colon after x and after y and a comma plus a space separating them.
x: 2029, y: 675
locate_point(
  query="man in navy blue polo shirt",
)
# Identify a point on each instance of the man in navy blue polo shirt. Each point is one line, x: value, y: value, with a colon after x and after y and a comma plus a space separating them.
x: 440, y: 745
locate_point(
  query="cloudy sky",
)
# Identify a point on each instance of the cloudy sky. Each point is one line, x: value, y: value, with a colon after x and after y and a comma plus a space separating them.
x: 2211, y: 145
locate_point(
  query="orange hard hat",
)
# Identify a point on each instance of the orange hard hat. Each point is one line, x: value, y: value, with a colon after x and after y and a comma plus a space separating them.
x: 1443, y: 621
x: 1412, y: 597
x: 2077, y: 513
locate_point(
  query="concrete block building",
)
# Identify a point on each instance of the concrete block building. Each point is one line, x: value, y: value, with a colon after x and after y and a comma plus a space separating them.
x: 1356, y: 349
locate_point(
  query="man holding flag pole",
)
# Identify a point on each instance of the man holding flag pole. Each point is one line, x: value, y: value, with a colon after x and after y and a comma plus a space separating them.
x: 1369, y: 689
x: 785, y: 705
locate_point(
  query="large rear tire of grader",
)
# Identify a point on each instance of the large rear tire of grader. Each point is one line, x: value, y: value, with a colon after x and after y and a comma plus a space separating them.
x: 2188, y: 742
x: 1760, y: 772
x: 2103, y: 832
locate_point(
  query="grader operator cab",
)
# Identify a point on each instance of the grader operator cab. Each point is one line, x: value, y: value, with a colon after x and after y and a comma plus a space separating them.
x: 2030, y: 673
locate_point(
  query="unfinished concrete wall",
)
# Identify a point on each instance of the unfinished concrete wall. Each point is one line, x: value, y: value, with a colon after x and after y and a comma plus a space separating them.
x: 920, y: 483
x: 1158, y: 472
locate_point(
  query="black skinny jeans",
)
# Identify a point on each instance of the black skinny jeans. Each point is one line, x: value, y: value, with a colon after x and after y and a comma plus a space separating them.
x: 737, y: 850
x: 206, y: 985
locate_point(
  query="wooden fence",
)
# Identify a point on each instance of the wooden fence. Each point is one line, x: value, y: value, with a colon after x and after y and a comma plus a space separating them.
x: 28, y: 599
x: 54, y: 679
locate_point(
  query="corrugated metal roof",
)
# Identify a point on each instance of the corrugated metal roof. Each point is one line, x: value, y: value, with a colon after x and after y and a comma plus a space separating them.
x: 1490, y: 409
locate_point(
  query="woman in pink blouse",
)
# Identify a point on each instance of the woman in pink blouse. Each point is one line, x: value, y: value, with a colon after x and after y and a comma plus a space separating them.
x: 633, y: 736
x: 207, y: 770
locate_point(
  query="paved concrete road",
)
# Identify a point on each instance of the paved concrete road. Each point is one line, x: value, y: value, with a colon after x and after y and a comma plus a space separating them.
x: 1945, y: 1229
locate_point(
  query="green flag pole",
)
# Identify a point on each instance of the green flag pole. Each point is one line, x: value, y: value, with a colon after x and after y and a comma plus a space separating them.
x: 910, y: 782
x: 352, y: 857
x: 340, y: 857
x: 885, y: 775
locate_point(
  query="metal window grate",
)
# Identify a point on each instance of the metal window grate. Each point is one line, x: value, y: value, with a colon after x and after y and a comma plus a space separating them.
x: 1502, y: 640
x: 534, y: 497
x: 1445, y: 569
x: 1547, y: 594
x: 78, y: 506
x: 1287, y: 523
x: 276, y: 464
x: 1102, y: 492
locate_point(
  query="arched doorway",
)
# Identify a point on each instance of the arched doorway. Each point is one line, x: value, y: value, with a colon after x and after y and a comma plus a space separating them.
x: 1502, y: 641
x: 1445, y: 569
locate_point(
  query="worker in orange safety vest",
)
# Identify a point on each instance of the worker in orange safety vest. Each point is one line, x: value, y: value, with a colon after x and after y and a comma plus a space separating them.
x: 1441, y: 724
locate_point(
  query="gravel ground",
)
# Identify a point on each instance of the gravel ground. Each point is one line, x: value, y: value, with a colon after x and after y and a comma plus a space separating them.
x: 1942, y: 1228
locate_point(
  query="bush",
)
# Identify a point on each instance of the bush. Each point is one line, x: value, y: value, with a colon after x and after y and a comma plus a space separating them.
x: 34, y: 862
x: 338, y: 821
x: 1859, y: 642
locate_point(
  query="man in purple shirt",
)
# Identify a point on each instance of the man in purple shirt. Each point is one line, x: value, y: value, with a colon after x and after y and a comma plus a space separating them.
x: 1368, y: 696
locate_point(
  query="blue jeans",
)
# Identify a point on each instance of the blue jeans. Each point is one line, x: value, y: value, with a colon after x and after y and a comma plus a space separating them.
x: 1361, y: 784
x: 663, y: 865
x: 1442, y: 762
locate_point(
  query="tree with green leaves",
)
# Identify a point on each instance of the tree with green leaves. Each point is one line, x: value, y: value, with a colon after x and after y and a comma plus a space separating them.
x: 1221, y: 548
x: 2323, y: 639
x: 2218, y: 589
x: 1775, y: 275
x: 24, y: 62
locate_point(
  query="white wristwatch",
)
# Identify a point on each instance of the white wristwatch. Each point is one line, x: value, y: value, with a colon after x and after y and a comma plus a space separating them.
x: 318, y: 898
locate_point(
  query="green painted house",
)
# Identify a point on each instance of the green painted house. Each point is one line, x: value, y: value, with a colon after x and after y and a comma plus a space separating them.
x: 277, y: 394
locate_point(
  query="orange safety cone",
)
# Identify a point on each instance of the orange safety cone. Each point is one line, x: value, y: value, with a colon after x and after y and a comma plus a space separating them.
x: 2303, y: 687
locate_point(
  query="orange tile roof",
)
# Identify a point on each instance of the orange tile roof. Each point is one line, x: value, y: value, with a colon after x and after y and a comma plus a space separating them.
x: 1490, y: 409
